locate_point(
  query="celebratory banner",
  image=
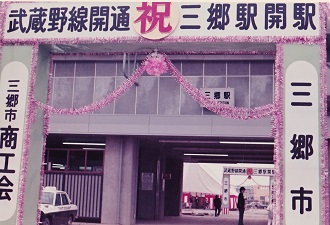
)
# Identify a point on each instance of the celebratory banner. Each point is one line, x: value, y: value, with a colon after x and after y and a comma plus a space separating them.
x: 225, y: 193
x: 248, y: 171
x: 302, y: 200
x: 156, y: 20
x: 13, y: 96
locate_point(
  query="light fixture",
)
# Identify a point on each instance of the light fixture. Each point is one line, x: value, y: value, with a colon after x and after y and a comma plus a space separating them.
x: 246, y: 142
x: 80, y: 143
x: 188, y: 141
x: 93, y: 148
x: 196, y: 154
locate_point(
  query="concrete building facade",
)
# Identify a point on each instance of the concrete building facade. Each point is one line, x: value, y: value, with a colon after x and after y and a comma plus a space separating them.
x: 146, y: 133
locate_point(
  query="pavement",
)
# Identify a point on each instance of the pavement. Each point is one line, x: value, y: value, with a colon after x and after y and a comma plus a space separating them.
x: 200, y: 216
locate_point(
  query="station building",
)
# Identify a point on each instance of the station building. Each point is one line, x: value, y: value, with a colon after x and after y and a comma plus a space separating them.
x: 123, y: 161
x: 148, y: 130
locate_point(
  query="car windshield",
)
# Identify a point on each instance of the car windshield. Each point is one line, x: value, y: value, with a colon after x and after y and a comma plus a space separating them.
x: 47, y: 198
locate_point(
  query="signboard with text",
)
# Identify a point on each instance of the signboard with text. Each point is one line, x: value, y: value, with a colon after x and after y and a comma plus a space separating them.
x: 61, y: 20
x: 248, y: 171
x: 302, y: 135
x: 13, y: 95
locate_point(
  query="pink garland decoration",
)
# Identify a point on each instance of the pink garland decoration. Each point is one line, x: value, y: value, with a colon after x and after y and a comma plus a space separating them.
x: 3, y: 12
x: 30, y: 117
x: 196, y: 39
x: 323, y: 119
x: 186, y: 52
x: 155, y: 64
x: 224, y: 110
x: 45, y: 133
x: 277, y: 121
x: 101, y: 103
x: 218, y: 108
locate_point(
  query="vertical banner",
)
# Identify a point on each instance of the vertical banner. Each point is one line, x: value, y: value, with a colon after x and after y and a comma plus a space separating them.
x: 271, y: 189
x: 302, y: 134
x: 225, y: 194
x: 13, y: 96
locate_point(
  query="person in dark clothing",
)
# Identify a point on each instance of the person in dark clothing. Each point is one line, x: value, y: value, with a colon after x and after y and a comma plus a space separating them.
x: 190, y: 202
x: 241, y: 205
x: 196, y: 202
x: 217, y: 205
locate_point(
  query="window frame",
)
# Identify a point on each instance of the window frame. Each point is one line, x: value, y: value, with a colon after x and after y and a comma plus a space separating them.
x: 67, y: 166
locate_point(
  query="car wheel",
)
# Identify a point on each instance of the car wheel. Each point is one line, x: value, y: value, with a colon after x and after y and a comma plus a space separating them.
x: 70, y: 220
x: 47, y: 222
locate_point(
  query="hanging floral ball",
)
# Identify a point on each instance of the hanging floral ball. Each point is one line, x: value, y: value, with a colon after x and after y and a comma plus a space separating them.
x: 155, y: 64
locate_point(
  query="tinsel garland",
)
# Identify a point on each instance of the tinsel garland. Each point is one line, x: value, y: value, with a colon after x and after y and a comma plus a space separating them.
x: 45, y: 132
x: 30, y: 118
x: 195, y: 93
x: 277, y: 120
x: 325, y: 12
x: 275, y: 110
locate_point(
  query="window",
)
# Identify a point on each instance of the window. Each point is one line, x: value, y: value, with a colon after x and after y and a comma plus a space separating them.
x: 57, y: 160
x: 65, y: 199
x: 47, y: 198
x: 250, y: 79
x: 73, y: 160
x: 94, y: 161
x: 58, y: 200
x: 77, y: 160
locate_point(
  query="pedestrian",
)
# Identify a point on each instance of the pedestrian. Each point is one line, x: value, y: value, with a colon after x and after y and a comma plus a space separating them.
x: 190, y: 201
x: 270, y: 213
x: 196, y: 202
x: 217, y: 205
x: 241, y: 205
x: 206, y: 203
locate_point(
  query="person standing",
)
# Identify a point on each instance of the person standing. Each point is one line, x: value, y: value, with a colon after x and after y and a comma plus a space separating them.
x: 241, y: 205
x: 190, y: 201
x: 206, y: 203
x: 270, y: 212
x: 217, y: 205
x: 196, y: 202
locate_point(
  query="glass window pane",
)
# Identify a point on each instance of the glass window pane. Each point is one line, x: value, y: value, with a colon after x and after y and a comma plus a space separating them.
x: 47, y: 198
x: 57, y: 160
x: 95, y: 161
x: 192, y: 68
x: 64, y: 69
x: 65, y: 200
x: 85, y: 69
x: 46, y: 160
x: 77, y: 161
x: 238, y: 68
x: 81, y: 97
x: 58, y: 199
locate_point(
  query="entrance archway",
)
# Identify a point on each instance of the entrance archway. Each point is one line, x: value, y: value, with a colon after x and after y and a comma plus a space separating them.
x: 249, y: 172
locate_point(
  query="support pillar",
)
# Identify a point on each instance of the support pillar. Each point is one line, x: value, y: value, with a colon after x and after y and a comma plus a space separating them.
x: 120, y: 181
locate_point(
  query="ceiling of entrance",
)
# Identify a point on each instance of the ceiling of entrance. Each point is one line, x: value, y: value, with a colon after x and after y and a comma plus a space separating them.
x: 221, y: 149
x: 190, y: 149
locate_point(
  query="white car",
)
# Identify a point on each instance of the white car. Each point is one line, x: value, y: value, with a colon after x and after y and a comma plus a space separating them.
x: 56, y: 207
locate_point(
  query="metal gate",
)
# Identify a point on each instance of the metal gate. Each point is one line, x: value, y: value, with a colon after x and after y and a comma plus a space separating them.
x: 85, y: 190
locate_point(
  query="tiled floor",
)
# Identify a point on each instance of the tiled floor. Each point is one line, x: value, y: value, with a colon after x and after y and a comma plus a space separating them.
x: 198, y: 217
x: 252, y: 217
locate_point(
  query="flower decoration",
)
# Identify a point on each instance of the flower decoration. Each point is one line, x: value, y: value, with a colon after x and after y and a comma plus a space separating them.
x: 155, y: 64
